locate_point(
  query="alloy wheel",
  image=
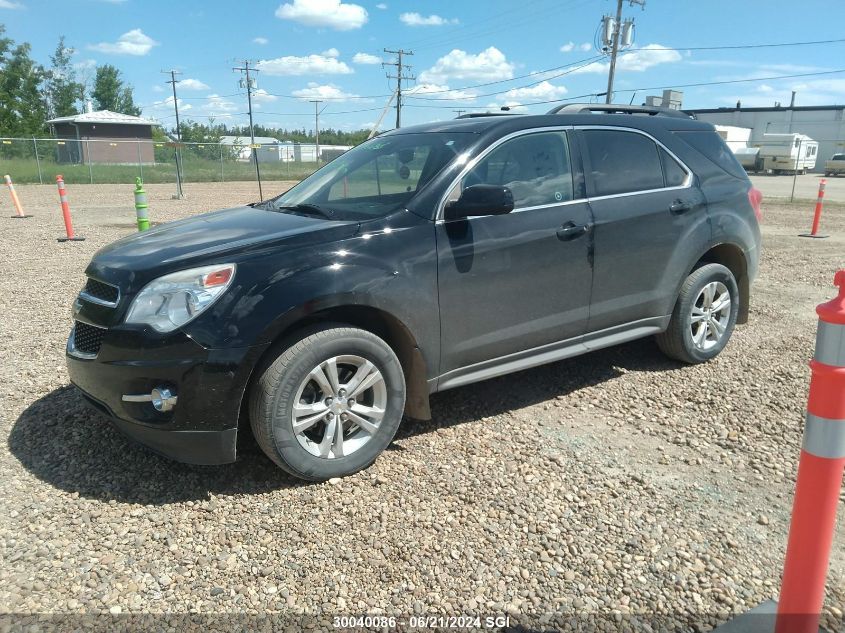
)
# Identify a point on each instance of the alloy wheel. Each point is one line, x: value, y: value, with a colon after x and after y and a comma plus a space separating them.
x: 339, y: 406
x: 710, y: 315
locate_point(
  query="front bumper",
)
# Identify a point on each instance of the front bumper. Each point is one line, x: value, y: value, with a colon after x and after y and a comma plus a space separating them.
x: 209, y: 383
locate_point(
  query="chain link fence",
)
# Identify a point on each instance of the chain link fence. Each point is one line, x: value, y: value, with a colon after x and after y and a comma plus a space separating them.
x: 39, y: 160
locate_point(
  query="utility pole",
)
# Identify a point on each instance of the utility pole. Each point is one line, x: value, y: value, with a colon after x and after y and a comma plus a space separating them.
x: 399, y: 77
x: 613, y: 30
x: 459, y: 112
x: 179, y: 195
x: 317, y: 103
x: 249, y: 84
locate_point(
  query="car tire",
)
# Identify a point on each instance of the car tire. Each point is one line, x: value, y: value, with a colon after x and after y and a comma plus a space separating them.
x: 701, y: 324
x: 287, y: 400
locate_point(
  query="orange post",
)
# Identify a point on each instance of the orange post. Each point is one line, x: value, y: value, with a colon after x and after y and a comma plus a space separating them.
x: 15, y: 201
x: 820, y: 471
x: 71, y: 236
x: 817, y: 216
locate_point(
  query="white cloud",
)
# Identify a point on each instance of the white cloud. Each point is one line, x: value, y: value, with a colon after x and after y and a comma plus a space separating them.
x: 488, y: 65
x: 328, y: 92
x: 307, y: 65
x: 133, y: 42
x: 333, y: 14
x: 365, y: 58
x: 543, y: 91
x: 260, y: 40
x: 517, y: 98
x: 192, y: 84
x: 381, y: 5
x: 571, y: 46
x: 167, y: 104
x: 415, y: 19
x: 10, y: 4
x: 441, y: 92
x: 158, y: 88
x: 84, y: 65
x: 219, y: 106
x: 262, y: 96
x: 637, y: 60
x: 332, y: 52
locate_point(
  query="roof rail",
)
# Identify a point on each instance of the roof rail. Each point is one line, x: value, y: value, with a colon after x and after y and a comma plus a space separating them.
x: 609, y: 108
x: 475, y: 115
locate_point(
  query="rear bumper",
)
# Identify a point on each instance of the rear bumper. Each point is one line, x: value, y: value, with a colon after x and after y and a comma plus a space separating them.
x: 209, y: 385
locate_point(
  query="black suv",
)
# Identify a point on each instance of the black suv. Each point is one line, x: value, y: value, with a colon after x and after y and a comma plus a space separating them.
x: 424, y: 259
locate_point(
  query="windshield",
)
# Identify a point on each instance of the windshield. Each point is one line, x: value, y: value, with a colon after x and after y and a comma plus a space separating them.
x: 374, y: 178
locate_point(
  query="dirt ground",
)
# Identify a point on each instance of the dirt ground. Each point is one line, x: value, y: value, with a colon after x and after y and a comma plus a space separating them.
x: 806, y: 187
x: 614, y: 485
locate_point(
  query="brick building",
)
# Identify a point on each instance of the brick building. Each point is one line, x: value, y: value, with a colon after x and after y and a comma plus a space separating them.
x: 104, y: 137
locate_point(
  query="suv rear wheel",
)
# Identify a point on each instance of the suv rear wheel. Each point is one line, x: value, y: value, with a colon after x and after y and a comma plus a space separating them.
x: 329, y: 404
x: 704, y: 316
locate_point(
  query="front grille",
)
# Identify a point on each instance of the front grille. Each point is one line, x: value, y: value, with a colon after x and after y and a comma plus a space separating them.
x: 102, y: 291
x: 87, y: 338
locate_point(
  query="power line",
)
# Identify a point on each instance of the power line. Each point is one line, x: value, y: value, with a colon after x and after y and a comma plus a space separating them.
x: 249, y: 85
x: 399, y: 77
x: 632, y: 90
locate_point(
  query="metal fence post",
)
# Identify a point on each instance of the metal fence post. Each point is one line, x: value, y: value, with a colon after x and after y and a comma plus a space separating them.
x: 88, y: 160
x: 140, y: 164
x: 220, y: 147
x: 795, y: 171
x: 37, y: 161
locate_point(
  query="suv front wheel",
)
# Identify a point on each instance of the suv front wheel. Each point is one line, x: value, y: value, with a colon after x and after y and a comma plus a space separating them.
x: 704, y: 316
x: 329, y: 404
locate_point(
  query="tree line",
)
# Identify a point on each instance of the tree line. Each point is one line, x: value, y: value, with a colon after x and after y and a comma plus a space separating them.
x: 31, y: 93
x: 211, y: 132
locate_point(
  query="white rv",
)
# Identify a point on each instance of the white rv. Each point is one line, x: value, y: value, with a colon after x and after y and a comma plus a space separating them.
x: 788, y: 153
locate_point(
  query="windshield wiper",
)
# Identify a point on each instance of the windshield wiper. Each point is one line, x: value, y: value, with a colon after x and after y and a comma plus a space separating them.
x: 305, y: 207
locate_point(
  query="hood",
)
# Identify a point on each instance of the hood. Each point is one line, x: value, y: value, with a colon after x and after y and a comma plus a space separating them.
x: 202, y: 238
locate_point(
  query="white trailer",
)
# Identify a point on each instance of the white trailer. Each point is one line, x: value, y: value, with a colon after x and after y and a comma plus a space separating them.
x: 788, y: 153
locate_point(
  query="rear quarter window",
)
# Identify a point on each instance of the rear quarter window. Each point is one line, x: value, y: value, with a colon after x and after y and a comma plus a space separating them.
x: 713, y: 147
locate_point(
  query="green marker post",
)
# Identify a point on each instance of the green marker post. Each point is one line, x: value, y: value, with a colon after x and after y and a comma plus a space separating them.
x: 141, y: 206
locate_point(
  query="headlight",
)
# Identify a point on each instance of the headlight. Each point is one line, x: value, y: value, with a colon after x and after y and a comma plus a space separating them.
x: 173, y: 300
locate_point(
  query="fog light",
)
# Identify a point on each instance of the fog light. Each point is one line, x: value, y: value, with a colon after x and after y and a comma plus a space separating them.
x: 162, y: 399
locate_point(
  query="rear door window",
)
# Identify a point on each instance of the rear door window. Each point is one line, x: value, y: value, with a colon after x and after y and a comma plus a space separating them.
x: 673, y: 174
x: 622, y: 162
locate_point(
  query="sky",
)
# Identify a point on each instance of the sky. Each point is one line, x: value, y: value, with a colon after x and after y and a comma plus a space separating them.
x: 468, y: 55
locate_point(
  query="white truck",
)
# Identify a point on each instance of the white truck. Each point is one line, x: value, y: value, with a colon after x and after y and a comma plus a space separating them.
x: 835, y: 166
x: 787, y: 153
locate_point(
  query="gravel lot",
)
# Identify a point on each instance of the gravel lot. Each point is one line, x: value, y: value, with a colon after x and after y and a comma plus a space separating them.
x: 806, y: 187
x: 612, y: 484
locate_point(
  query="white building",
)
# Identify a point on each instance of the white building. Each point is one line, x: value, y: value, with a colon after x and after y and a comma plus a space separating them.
x: 824, y: 124
x: 274, y: 150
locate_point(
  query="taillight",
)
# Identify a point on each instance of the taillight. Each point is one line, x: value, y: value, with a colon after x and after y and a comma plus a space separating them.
x: 755, y: 197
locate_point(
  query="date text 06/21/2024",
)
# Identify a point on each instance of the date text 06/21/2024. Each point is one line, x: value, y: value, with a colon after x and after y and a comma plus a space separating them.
x: 422, y: 621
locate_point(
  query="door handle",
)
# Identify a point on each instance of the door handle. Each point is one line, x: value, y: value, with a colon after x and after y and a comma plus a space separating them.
x: 571, y: 231
x: 680, y: 206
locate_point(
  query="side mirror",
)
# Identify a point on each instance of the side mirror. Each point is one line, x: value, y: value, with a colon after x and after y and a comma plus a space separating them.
x: 478, y: 200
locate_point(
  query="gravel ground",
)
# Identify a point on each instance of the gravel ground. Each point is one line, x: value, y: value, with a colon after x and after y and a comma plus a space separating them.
x: 608, y: 487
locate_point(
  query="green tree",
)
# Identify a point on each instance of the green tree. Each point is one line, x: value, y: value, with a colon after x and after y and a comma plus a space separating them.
x: 110, y: 94
x: 63, y: 90
x: 23, y: 109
